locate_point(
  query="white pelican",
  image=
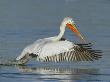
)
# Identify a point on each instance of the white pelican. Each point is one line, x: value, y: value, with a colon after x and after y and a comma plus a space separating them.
x: 58, y: 49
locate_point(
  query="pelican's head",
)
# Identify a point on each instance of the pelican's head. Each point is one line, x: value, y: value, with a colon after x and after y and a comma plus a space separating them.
x: 69, y: 23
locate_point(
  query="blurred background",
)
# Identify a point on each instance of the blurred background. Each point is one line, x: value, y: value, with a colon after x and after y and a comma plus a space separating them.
x: 24, y: 21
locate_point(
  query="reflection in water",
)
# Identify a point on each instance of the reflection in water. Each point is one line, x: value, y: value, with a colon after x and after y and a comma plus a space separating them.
x: 59, y: 73
x: 64, y: 72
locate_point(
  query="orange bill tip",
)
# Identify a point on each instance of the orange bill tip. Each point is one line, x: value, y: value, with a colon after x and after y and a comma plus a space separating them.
x: 75, y: 30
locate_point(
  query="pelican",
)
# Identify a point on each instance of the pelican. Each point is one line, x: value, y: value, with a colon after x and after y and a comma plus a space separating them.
x: 57, y: 48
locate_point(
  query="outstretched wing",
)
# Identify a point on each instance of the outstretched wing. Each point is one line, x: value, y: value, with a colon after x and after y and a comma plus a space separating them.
x: 81, y: 52
x: 62, y: 51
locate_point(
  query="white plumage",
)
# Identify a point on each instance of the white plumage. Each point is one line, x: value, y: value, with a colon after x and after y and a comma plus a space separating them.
x: 58, y: 49
x: 46, y: 47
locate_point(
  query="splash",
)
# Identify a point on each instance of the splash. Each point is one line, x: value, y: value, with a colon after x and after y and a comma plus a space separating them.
x: 8, y: 61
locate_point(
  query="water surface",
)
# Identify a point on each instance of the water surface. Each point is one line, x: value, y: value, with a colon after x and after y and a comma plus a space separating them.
x: 24, y: 21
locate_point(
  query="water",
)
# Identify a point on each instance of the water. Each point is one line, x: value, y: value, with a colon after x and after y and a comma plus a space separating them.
x: 24, y: 21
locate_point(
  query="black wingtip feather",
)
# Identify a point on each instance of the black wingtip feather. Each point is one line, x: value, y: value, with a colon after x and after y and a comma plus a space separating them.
x: 81, y: 52
x: 90, y: 53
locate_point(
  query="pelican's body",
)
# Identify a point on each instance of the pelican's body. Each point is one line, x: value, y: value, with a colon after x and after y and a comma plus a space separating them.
x: 46, y: 47
x: 56, y: 48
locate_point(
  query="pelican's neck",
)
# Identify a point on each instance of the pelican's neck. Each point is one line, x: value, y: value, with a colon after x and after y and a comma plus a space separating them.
x: 62, y: 31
